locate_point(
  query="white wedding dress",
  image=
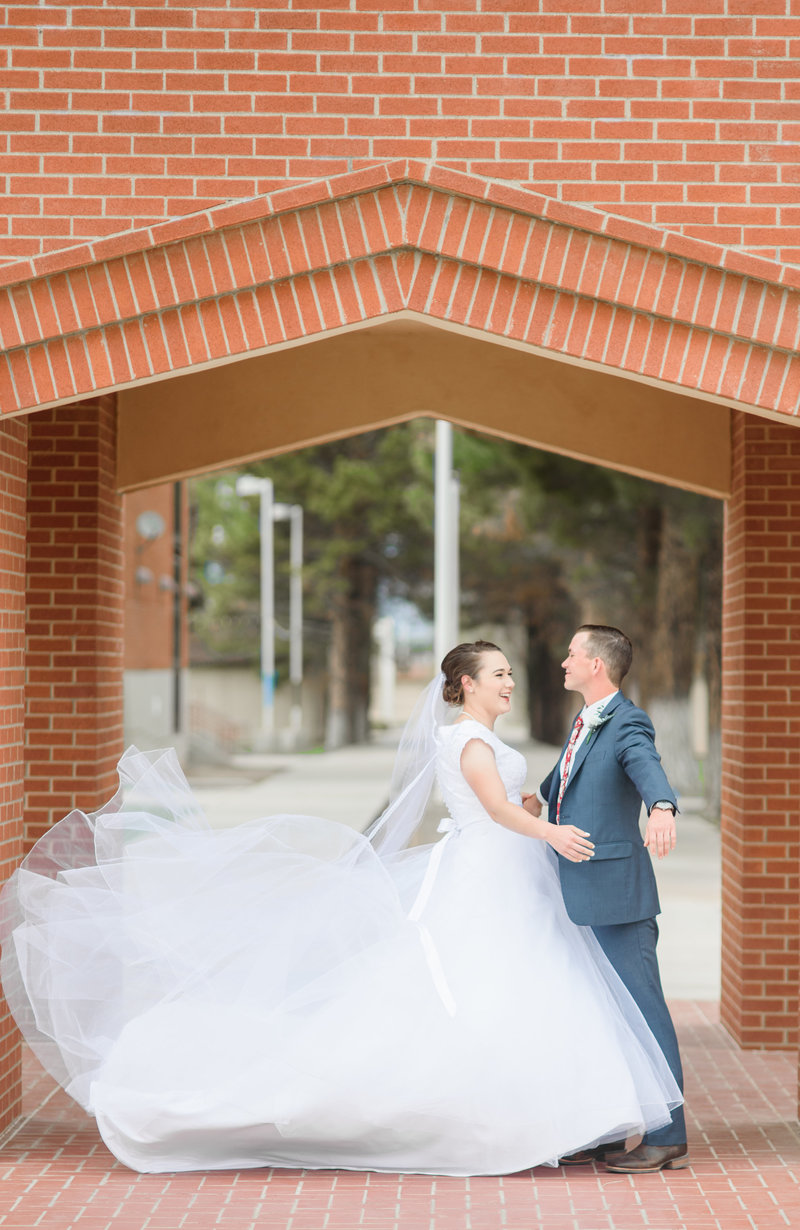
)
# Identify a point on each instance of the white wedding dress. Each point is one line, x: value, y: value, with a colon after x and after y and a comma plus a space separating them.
x: 277, y: 994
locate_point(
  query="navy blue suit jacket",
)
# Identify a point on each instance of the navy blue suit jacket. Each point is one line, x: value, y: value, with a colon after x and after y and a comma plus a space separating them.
x: 615, y: 769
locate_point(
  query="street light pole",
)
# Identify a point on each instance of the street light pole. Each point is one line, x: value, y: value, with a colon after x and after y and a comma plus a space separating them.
x: 446, y: 569
x: 294, y: 514
x: 249, y: 484
x: 455, y: 554
x: 296, y: 618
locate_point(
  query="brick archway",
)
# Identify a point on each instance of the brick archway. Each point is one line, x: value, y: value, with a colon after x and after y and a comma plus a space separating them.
x: 572, y: 284
x: 252, y: 276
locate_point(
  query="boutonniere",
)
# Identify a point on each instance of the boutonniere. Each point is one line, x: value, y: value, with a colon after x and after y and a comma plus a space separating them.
x: 596, y: 722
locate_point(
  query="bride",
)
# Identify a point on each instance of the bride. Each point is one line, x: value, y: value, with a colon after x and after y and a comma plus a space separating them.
x: 292, y: 993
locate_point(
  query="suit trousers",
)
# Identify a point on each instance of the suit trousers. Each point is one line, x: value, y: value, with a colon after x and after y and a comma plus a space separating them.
x: 631, y: 949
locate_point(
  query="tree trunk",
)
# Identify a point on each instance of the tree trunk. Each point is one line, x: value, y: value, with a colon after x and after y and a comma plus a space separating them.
x: 683, y: 612
x: 350, y: 655
x: 550, y: 619
x: 643, y: 632
x: 545, y: 689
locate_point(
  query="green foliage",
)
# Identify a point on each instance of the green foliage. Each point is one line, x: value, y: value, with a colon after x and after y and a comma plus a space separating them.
x: 560, y: 541
x: 365, y: 498
x: 545, y: 540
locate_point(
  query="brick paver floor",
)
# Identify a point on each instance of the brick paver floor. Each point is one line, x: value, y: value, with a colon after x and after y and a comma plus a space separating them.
x: 56, y: 1174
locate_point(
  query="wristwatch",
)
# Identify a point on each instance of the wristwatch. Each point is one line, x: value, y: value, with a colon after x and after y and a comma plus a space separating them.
x: 662, y: 805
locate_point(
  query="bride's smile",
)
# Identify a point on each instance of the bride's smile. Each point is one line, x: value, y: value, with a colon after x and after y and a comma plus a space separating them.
x: 487, y: 696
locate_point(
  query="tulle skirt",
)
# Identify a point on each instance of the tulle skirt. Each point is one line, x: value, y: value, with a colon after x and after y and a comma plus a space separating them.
x: 276, y: 995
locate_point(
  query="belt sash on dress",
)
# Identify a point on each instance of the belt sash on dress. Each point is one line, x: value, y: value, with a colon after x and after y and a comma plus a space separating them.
x: 451, y: 829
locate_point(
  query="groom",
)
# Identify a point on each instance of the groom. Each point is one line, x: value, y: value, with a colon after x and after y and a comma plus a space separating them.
x: 608, y: 767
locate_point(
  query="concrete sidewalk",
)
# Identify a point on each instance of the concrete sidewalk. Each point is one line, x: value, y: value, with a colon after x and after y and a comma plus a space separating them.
x: 350, y: 785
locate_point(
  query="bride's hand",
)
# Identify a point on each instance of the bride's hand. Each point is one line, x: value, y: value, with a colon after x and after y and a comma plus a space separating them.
x: 571, y: 842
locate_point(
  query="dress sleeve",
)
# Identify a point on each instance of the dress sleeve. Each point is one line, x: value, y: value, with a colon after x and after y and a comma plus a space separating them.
x: 465, y: 732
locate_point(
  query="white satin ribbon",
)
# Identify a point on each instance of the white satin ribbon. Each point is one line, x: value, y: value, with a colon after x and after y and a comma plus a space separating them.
x: 450, y: 829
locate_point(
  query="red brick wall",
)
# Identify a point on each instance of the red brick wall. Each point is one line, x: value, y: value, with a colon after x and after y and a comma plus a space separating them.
x: 13, y: 452
x: 683, y: 115
x: 761, y: 736
x: 74, y: 621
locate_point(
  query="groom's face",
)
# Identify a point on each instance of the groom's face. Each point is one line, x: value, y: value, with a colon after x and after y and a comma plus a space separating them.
x: 577, y: 666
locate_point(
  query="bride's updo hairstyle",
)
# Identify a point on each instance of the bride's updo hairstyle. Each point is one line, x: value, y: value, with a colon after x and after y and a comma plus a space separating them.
x: 463, y: 660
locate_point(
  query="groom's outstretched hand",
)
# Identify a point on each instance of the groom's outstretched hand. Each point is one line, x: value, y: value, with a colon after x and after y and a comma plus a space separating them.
x: 660, y: 835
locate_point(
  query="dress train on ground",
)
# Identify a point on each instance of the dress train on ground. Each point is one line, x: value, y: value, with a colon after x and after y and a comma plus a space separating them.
x: 278, y: 995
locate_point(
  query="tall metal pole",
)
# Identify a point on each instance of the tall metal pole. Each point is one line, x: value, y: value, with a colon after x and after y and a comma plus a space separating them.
x: 455, y: 560
x: 445, y: 584
x: 177, y: 607
x: 267, y: 610
x: 296, y: 616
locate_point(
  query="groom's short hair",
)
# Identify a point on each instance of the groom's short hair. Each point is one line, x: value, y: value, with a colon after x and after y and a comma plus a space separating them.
x: 612, y: 646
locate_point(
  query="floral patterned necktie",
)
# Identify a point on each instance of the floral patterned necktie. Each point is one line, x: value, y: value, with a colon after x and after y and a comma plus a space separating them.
x: 576, y: 730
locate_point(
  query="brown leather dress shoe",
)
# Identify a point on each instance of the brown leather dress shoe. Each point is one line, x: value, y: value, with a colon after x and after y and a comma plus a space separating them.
x: 599, y: 1153
x: 645, y: 1159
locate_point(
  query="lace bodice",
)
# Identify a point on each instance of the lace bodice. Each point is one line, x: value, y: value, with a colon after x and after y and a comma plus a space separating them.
x: 459, y: 798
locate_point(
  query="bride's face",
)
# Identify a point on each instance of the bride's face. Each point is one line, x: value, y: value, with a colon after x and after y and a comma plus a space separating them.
x: 491, y: 688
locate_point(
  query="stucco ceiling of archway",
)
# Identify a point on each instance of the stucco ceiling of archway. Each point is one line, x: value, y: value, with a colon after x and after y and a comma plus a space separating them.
x: 406, y: 368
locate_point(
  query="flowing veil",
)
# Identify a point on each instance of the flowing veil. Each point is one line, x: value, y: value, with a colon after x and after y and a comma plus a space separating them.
x: 413, y: 774
x: 71, y: 928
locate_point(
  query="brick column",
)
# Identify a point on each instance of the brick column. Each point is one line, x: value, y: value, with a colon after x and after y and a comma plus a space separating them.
x: 75, y: 613
x: 761, y: 726
x: 13, y: 460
